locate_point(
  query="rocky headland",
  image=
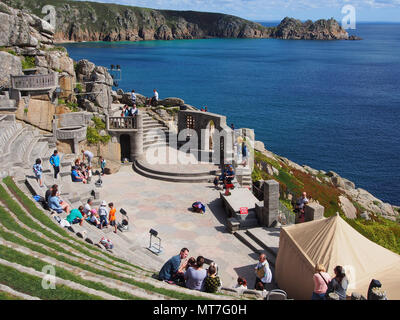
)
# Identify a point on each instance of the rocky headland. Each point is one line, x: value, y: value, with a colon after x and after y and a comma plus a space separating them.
x: 91, y: 21
x: 28, y: 42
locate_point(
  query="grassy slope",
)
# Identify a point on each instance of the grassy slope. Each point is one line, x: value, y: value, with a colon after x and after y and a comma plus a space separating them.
x: 8, y: 222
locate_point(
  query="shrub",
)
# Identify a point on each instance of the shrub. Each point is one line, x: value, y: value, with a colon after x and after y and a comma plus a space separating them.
x: 28, y: 62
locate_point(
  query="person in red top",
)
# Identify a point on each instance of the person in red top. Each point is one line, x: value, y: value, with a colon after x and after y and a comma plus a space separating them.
x: 321, y: 281
x: 111, y: 216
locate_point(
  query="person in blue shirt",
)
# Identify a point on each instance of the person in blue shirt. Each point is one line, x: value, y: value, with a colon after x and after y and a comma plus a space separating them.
x: 55, y: 162
x: 169, y: 270
x: 54, y: 202
x: 75, y: 176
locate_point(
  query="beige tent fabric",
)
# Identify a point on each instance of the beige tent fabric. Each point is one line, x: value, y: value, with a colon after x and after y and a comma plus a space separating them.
x: 333, y: 242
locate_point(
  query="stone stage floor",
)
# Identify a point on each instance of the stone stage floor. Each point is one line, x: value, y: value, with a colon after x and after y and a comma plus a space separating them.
x: 164, y: 206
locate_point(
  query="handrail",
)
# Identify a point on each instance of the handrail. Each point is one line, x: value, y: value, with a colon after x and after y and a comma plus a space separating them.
x: 118, y: 123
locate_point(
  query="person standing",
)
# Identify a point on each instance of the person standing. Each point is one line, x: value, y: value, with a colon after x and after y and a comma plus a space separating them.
x: 89, y: 155
x: 263, y: 272
x: 38, y: 170
x: 321, y: 282
x: 55, y: 162
x: 103, y: 214
x: 111, y: 216
x: 339, y: 283
x: 102, y: 165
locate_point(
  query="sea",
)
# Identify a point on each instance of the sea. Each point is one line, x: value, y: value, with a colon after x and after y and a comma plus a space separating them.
x: 331, y: 105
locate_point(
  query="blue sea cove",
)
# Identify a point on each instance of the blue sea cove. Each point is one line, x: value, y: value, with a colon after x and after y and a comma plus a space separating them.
x: 331, y: 105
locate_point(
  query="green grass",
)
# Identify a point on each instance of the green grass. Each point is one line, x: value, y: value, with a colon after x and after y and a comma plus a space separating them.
x: 32, y: 285
x: 10, y: 224
x: 45, y: 220
x: 37, y: 264
x: 34, y: 247
x: 8, y: 296
x: 379, y: 230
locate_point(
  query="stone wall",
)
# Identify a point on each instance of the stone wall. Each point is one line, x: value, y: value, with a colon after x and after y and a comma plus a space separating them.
x: 40, y: 113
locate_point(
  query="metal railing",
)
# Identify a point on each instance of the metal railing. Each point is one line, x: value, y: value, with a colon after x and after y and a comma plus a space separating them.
x: 286, y: 216
x: 35, y: 82
x: 120, y: 123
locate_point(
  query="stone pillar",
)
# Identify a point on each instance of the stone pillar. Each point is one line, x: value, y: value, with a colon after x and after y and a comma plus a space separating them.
x: 271, y: 201
x: 137, y: 139
x: 313, y: 211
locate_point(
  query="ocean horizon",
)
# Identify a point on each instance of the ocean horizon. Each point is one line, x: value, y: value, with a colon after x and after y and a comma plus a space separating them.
x: 331, y: 105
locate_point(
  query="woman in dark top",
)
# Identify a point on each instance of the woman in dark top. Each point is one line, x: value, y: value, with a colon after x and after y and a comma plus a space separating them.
x: 339, y: 283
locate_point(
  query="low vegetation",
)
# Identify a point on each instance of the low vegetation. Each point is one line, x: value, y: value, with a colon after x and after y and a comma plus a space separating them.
x: 93, y: 135
x: 379, y: 230
x: 28, y: 62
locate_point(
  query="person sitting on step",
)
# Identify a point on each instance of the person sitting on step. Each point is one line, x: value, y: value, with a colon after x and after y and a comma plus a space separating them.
x: 212, y: 283
x: 76, y: 216
x: 76, y: 176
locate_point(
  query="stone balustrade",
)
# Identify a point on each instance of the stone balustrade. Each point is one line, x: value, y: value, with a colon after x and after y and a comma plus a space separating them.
x: 121, y: 123
x: 35, y: 82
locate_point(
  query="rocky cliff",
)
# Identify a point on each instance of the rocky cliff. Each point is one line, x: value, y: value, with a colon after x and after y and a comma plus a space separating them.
x: 91, y: 21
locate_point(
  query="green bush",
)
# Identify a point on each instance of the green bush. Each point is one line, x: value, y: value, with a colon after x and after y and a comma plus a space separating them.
x: 73, y: 106
x: 28, y: 63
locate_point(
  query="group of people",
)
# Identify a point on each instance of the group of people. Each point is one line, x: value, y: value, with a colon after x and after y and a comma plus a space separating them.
x: 324, y: 285
x: 191, y: 273
x: 103, y: 217
x: 226, y: 178
x: 204, y: 109
x: 80, y: 172
x: 129, y: 111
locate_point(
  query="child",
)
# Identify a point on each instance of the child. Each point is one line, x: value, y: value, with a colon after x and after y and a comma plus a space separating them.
x: 94, y: 218
x: 37, y: 169
x: 111, y: 216
x: 212, y: 282
x: 102, y: 165
x: 241, y: 283
x: 103, y: 214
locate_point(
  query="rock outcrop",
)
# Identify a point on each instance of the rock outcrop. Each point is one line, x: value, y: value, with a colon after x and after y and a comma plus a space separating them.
x: 349, y: 197
x: 10, y: 64
x: 290, y: 28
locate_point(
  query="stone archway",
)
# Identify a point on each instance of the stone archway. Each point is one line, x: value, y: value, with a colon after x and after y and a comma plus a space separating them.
x: 125, y: 142
x: 210, y: 133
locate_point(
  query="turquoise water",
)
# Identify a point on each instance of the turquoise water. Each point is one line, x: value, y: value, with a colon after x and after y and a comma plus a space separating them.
x: 332, y: 105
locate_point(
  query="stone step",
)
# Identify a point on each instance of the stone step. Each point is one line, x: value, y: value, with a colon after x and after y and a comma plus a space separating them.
x: 155, y: 145
x: 268, y: 238
x: 164, y: 177
x: 142, y: 165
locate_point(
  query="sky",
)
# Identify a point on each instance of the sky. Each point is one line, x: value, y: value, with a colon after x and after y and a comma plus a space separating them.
x: 276, y: 10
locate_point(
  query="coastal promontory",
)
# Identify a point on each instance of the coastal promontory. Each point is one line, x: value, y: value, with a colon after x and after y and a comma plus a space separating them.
x: 92, y: 21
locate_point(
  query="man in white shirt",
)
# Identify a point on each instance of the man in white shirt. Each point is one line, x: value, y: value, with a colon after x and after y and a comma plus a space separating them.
x: 263, y: 272
x: 301, y: 202
x: 88, y: 207
x: 154, y: 99
x: 89, y: 156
